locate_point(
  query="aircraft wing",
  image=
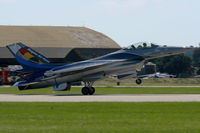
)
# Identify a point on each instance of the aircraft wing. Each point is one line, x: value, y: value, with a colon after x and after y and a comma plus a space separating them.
x: 77, y: 68
x: 24, y: 83
x: 65, y: 70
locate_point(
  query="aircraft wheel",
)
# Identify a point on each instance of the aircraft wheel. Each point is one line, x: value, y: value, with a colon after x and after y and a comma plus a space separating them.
x: 85, y: 90
x: 138, y: 81
x: 91, y: 91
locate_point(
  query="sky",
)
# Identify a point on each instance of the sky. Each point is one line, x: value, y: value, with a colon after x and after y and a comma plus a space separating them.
x: 165, y: 22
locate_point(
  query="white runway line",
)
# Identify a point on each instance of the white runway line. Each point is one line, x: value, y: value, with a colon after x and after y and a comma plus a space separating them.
x: 160, y: 86
x: 102, y: 98
x: 146, y: 86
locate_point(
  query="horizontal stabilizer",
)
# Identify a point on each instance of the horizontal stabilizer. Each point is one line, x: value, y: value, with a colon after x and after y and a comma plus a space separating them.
x: 23, y: 83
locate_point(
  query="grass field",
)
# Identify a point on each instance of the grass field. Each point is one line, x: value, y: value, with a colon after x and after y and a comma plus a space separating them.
x: 108, y: 90
x: 100, y: 117
x: 103, y: 117
x: 152, y: 82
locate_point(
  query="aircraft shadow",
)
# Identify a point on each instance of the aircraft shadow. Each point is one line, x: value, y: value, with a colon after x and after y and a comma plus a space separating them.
x: 55, y: 94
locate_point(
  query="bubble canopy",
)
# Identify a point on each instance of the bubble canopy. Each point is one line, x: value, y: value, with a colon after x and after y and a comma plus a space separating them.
x: 142, y: 45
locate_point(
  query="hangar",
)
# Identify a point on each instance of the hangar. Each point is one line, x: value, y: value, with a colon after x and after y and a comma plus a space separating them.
x: 58, y: 43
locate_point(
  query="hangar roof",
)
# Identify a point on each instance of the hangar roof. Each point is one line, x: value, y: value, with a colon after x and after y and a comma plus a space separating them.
x: 48, y: 52
x: 55, y: 36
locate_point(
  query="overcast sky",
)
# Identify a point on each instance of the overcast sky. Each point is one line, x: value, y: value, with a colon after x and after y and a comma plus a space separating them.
x: 171, y: 22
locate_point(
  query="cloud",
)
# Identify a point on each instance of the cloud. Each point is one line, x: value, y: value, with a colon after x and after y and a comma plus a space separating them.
x: 123, y: 3
x: 128, y: 3
x: 7, y: 1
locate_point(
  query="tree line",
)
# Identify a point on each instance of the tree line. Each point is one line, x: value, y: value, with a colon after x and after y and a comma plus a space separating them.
x: 180, y: 65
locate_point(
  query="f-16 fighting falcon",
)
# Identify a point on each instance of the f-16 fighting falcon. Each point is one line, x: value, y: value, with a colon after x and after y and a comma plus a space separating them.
x: 39, y: 72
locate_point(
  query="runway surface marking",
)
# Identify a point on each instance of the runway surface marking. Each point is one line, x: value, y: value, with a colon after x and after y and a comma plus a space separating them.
x: 134, y: 86
x: 102, y: 98
x: 149, y: 86
x: 161, y: 86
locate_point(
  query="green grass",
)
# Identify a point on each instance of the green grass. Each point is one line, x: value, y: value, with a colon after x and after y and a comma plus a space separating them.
x: 108, y: 90
x: 100, y: 117
x: 153, y: 82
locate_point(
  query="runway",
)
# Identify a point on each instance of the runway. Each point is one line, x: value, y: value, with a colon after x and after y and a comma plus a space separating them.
x: 102, y: 98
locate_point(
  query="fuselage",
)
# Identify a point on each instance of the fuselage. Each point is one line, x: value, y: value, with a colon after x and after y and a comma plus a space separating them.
x: 114, y: 63
x: 122, y: 61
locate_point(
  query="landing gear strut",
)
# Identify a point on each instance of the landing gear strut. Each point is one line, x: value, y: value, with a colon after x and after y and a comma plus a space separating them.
x: 88, y: 89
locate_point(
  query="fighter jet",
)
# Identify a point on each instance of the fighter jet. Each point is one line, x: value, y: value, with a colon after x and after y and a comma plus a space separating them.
x: 39, y: 72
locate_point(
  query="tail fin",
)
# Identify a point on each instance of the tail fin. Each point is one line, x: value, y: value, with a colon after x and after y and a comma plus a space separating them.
x: 27, y: 57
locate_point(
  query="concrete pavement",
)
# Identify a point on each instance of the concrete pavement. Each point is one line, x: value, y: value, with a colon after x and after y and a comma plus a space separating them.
x: 102, y: 98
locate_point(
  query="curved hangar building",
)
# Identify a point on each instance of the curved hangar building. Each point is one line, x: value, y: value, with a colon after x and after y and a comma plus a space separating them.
x: 58, y: 43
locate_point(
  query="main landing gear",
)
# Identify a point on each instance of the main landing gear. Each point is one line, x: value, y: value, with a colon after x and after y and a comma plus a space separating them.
x: 88, y: 89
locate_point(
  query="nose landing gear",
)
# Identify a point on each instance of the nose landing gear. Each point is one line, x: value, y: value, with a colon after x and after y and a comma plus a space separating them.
x: 88, y: 89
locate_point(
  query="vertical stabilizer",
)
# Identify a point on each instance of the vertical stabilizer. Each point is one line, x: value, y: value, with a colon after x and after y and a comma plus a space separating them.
x: 28, y: 58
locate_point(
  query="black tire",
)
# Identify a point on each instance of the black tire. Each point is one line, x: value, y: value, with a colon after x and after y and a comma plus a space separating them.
x: 138, y: 81
x: 85, y: 90
x: 91, y: 91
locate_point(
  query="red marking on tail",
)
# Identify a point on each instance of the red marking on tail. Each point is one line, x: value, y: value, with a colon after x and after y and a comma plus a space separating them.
x: 23, y: 51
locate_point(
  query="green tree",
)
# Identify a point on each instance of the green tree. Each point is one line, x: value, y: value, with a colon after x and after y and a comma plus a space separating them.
x: 196, y: 57
x: 178, y: 65
x: 198, y: 71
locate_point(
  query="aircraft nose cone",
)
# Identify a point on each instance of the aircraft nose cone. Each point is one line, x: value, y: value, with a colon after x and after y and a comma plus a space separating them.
x: 178, y: 50
x: 184, y: 49
x: 167, y: 51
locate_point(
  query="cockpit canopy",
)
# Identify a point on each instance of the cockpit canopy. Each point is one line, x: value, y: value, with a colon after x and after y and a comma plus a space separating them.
x: 142, y: 45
